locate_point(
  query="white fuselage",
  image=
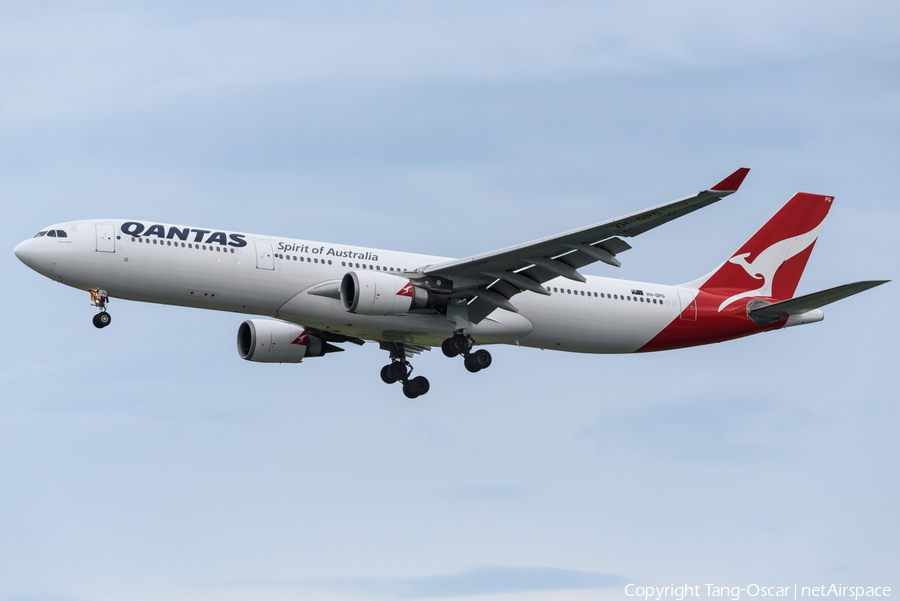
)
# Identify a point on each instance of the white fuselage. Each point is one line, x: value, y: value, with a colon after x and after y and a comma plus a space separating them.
x: 273, y: 276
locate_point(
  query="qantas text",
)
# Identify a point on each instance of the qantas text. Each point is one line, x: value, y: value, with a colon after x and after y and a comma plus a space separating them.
x: 134, y: 228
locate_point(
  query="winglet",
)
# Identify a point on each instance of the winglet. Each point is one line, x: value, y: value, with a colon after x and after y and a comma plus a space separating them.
x: 732, y: 182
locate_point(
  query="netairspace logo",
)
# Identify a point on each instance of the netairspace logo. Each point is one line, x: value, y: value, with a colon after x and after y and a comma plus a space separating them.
x: 678, y: 593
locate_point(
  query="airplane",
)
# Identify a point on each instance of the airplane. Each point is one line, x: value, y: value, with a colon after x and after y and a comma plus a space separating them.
x: 320, y: 295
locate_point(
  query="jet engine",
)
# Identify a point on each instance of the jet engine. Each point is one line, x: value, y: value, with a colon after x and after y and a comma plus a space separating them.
x: 273, y: 341
x: 374, y: 293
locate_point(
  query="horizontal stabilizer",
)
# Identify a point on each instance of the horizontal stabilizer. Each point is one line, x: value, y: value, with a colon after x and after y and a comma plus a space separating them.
x: 808, y: 302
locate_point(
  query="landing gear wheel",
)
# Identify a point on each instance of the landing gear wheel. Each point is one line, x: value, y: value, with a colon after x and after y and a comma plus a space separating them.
x: 101, y: 320
x: 448, y: 348
x: 471, y: 365
x: 482, y: 359
x: 458, y: 343
x: 419, y: 385
x: 386, y: 376
x: 416, y: 387
x: 397, y: 370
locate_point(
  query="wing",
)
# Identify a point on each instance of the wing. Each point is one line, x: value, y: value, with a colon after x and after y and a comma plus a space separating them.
x: 488, y: 281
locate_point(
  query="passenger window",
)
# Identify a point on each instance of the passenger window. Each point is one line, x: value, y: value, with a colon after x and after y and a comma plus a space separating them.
x: 204, y: 246
x: 232, y: 250
x: 39, y: 234
x: 582, y: 293
x: 329, y: 261
x: 51, y: 234
x: 315, y: 260
x: 218, y: 249
x: 61, y: 234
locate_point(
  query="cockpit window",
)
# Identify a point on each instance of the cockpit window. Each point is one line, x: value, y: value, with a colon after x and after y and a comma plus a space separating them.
x: 51, y: 234
x: 61, y: 234
x: 39, y: 234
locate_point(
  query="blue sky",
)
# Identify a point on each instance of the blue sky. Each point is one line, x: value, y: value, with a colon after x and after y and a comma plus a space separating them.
x: 147, y: 461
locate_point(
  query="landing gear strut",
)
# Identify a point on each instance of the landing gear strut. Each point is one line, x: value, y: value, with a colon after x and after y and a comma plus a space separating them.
x: 99, y: 300
x: 460, y: 344
x: 399, y: 370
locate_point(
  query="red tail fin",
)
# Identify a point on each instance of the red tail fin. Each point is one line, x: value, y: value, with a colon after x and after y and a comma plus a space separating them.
x: 771, y: 262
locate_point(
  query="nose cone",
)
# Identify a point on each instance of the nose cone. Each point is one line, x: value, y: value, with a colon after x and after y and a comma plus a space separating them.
x: 24, y: 251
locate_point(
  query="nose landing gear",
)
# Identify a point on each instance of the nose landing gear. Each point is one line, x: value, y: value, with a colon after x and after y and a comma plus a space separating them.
x: 102, y: 319
x: 399, y: 370
x: 99, y: 299
x: 460, y: 344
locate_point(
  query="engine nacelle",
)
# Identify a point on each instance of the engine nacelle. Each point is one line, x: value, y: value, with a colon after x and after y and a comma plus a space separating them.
x: 379, y: 293
x: 273, y: 341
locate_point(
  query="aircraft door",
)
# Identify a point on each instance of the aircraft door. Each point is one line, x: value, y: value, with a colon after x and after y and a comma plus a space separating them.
x: 106, y: 238
x: 688, y: 305
x: 264, y: 257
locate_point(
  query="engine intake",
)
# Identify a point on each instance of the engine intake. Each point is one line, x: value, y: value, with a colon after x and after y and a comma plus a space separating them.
x: 273, y: 341
x: 374, y: 293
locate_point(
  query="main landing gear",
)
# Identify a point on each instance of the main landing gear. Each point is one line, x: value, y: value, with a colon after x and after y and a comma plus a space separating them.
x: 99, y: 300
x: 460, y: 344
x: 399, y: 370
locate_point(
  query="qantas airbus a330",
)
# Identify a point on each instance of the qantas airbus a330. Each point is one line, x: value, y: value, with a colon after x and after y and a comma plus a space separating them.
x: 528, y: 295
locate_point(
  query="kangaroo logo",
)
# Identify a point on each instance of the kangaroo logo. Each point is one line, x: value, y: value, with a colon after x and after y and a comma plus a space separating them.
x: 406, y: 290
x: 768, y: 261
